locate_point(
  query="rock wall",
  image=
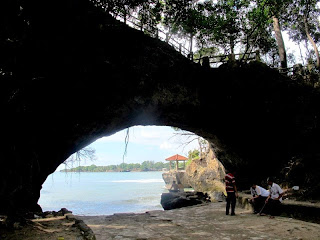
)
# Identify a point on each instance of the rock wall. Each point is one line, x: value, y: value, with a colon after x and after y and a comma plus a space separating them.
x: 206, y: 175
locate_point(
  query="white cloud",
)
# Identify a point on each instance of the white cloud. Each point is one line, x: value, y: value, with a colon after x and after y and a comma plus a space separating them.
x: 154, y: 143
x: 166, y: 145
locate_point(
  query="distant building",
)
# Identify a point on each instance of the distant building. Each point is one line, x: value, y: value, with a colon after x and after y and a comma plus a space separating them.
x: 176, y: 159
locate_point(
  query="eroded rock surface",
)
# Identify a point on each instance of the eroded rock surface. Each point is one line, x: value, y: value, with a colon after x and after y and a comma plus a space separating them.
x: 178, y: 176
x: 206, y: 175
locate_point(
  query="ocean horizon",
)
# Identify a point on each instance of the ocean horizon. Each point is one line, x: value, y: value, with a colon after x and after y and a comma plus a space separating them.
x: 102, y: 193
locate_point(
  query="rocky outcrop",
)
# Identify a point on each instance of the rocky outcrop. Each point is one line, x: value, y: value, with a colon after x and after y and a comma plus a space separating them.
x: 48, y: 225
x: 179, y: 177
x: 174, y: 200
x: 206, y: 175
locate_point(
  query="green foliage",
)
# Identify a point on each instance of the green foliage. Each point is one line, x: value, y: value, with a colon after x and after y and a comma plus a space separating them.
x: 216, y: 26
x: 302, y: 19
x: 194, y: 154
x: 145, y: 166
x: 225, y: 26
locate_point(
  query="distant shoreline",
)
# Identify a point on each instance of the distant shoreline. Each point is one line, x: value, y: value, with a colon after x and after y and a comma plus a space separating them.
x: 146, y: 166
x: 68, y: 171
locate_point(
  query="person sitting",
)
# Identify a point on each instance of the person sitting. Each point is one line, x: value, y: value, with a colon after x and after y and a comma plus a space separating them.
x: 174, y: 187
x: 274, y: 199
x: 259, y: 196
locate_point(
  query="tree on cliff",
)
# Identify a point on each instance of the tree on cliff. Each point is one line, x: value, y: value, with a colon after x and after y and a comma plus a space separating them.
x: 242, y: 25
x: 275, y: 10
x: 303, y: 24
x: 224, y: 22
x: 194, y: 154
x: 182, y: 18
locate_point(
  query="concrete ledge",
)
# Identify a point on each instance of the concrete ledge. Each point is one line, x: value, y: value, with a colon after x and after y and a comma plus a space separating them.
x: 243, y: 201
x: 305, y: 211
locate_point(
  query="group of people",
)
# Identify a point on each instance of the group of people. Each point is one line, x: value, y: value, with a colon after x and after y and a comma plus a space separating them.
x: 264, y: 201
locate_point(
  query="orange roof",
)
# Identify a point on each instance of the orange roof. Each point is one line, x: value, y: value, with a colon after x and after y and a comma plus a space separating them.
x: 177, y: 157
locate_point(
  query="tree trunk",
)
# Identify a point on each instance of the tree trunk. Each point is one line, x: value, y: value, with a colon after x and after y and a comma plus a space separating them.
x: 301, y: 56
x: 232, y: 45
x: 191, y: 43
x: 280, y: 43
x: 306, y: 28
x: 191, y: 47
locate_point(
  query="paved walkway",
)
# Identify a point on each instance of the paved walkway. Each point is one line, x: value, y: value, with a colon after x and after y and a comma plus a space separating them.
x: 200, y: 222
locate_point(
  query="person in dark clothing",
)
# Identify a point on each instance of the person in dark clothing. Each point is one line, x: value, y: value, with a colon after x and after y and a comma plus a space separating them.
x: 232, y: 193
x: 274, y: 199
x: 259, y: 196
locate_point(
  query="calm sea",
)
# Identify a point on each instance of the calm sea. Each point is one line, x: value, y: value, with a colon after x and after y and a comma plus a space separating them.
x: 102, y: 193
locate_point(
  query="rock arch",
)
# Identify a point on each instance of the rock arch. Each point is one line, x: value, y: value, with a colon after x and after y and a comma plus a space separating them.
x: 71, y: 88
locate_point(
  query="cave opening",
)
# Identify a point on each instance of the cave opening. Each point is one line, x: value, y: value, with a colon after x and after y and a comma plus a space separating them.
x: 119, y: 173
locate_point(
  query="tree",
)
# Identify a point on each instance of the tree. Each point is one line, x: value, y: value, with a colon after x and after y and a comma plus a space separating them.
x: 85, y: 154
x: 147, y: 166
x: 302, y: 23
x: 182, y: 18
x: 275, y: 10
x: 227, y: 24
x: 189, y: 137
x: 257, y: 33
x: 229, y: 14
x: 193, y: 154
x: 149, y: 13
x: 219, y: 24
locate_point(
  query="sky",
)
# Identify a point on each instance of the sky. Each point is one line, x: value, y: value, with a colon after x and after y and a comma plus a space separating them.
x: 146, y: 143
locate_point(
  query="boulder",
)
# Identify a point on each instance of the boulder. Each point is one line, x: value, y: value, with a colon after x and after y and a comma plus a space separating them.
x: 174, y: 200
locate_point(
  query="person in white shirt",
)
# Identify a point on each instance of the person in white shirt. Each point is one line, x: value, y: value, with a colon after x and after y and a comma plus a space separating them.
x: 274, y: 199
x: 259, y: 196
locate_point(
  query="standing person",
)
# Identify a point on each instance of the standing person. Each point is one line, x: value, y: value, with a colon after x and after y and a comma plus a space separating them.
x: 259, y: 196
x: 274, y: 199
x: 232, y: 192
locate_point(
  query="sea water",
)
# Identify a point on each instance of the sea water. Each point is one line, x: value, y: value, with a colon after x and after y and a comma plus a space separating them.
x: 102, y: 193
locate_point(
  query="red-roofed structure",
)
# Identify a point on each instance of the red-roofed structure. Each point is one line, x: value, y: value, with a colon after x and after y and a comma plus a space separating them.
x: 177, y: 158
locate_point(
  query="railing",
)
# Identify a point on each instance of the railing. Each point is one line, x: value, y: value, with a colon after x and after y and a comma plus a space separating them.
x: 307, y: 75
x: 165, y: 36
x: 231, y: 57
x: 154, y: 32
x: 295, y: 72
